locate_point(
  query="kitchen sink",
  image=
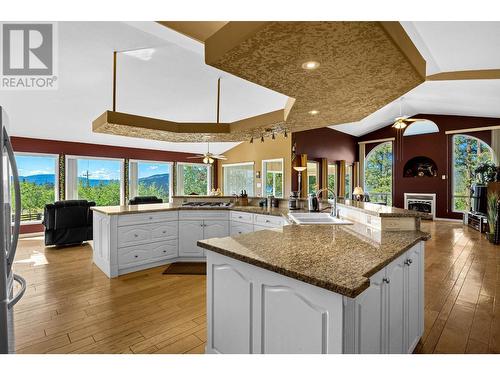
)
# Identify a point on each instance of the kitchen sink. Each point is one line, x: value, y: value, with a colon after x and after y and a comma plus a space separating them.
x: 317, y: 218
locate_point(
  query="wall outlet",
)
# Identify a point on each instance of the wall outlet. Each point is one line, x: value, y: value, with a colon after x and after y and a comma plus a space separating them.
x: 443, y: 177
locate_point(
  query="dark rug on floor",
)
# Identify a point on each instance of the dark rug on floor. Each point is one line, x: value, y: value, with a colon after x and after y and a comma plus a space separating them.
x: 186, y: 268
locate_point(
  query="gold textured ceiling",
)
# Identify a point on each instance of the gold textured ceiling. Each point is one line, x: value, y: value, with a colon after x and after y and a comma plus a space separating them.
x: 363, y: 66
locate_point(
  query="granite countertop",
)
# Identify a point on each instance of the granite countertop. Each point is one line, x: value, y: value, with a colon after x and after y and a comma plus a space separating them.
x: 333, y: 257
x: 158, y: 207
x: 380, y: 210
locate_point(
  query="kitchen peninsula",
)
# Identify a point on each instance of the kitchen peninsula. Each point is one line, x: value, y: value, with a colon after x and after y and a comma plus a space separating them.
x: 277, y: 287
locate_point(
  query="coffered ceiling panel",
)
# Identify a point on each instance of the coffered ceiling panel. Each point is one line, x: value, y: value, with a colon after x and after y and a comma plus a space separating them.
x: 363, y: 65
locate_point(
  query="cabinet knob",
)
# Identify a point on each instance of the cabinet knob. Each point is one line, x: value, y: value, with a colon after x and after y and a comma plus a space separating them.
x: 164, y: 251
x: 239, y: 217
x: 151, y: 218
x: 239, y: 232
x: 136, y: 235
x: 408, y: 262
x: 164, y: 231
x: 386, y: 280
x: 136, y: 256
x: 268, y: 221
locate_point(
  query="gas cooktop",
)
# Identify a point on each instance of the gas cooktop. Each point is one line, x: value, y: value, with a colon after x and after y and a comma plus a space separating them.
x: 206, y: 204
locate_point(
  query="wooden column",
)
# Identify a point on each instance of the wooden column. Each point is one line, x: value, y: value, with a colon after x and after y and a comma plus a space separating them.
x: 355, y: 174
x: 341, y: 179
x: 323, y: 173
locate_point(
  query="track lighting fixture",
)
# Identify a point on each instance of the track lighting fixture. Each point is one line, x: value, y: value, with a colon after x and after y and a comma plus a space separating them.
x: 262, y: 139
x: 286, y: 134
x: 273, y: 137
x: 251, y: 140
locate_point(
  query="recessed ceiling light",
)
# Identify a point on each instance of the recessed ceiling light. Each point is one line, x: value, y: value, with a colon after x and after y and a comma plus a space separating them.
x: 313, y: 112
x: 310, y: 65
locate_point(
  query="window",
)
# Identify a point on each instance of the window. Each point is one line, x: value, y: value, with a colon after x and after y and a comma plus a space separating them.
x: 312, y: 177
x: 348, y: 181
x: 468, y: 153
x: 148, y: 178
x: 95, y: 180
x: 378, y: 174
x: 272, y: 173
x: 38, y: 183
x: 193, y: 179
x: 238, y: 177
x: 332, y: 179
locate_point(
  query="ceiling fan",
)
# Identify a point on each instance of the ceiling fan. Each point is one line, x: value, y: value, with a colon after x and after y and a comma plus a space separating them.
x: 402, y: 121
x: 208, y: 157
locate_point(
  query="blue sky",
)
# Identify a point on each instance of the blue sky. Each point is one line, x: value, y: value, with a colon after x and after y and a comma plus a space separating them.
x: 98, y: 169
x: 31, y: 165
x: 150, y: 169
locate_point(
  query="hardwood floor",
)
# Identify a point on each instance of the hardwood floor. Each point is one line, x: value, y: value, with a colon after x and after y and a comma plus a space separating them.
x: 72, y: 307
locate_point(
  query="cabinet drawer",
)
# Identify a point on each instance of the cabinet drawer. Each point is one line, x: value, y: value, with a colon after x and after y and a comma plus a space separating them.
x: 268, y: 221
x: 152, y: 217
x: 167, y: 249
x: 128, y: 236
x: 242, y: 217
x: 207, y: 214
x: 134, y: 255
x: 240, y: 228
x: 164, y: 231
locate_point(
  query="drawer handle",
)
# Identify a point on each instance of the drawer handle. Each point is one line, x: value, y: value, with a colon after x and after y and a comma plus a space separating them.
x: 164, y: 251
x: 268, y: 221
x: 136, y: 235
x: 164, y: 231
x: 136, y: 256
x: 240, y: 217
x: 151, y: 218
x: 239, y: 232
x: 386, y: 280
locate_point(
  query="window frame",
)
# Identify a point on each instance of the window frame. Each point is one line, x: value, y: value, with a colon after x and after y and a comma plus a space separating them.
x: 171, y: 179
x: 392, y: 170
x: 263, y: 177
x: 74, y: 184
x: 252, y: 163
x: 56, y: 177
x: 177, y: 176
x: 348, y: 172
x: 452, y: 195
x: 317, y: 175
x: 335, y: 177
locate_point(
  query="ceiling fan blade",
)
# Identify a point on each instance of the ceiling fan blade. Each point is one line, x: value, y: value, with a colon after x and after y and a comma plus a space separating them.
x: 221, y: 157
x: 196, y: 157
x: 415, y: 119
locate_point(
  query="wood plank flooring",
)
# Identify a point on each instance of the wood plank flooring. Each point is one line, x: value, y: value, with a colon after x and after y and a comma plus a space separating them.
x: 72, y: 307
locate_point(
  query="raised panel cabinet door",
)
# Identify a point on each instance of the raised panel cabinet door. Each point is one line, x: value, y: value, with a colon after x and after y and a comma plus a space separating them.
x: 190, y: 232
x: 133, y: 235
x: 134, y: 255
x: 231, y: 310
x: 240, y: 228
x: 414, y: 293
x: 164, y: 249
x: 395, y: 287
x: 164, y: 231
x: 370, y: 317
x: 215, y: 228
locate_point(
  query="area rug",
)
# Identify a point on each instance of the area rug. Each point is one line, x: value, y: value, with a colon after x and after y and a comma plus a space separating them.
x: 186, y: 268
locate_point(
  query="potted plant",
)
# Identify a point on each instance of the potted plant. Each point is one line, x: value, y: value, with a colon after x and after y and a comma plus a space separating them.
x: 492, y: 215
x: 484, y: 173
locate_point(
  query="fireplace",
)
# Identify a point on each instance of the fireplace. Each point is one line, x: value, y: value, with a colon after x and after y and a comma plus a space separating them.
x: 422, y: 202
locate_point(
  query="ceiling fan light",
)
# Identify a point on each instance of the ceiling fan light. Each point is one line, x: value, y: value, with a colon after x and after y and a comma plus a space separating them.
x: 205, y: 160
x: 210, y: 160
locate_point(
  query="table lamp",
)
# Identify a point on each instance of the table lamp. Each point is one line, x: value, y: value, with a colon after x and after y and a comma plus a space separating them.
x: 358, y: 193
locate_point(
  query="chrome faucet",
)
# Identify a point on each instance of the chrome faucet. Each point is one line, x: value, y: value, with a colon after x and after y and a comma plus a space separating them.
x: 333, y: 212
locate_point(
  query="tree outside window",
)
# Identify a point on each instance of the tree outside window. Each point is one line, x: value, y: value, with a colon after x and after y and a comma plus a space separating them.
x: 468, y: 153
x: 378, y: 173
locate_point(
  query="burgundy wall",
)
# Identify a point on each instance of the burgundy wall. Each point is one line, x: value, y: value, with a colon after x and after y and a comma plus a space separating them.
x: 21, y: 144
x: 324, y: 143
x: 436, y: 146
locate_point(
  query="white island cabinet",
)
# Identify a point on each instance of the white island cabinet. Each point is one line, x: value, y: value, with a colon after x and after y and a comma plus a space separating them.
x: 254, y: 310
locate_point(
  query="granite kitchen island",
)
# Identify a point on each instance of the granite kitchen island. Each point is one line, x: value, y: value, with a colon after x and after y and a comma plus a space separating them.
x: 316, y: 289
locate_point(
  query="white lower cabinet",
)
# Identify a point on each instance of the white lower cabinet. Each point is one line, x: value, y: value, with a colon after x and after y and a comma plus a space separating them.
x: 190, y: 232
x: 240, y: 228
x: 200, y: 225
x: 388, y: 316
x: 253, y: 310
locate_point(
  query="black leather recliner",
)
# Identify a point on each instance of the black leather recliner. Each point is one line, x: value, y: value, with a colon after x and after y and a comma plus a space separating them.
x: 145, y: 200
x: 68, y: 222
